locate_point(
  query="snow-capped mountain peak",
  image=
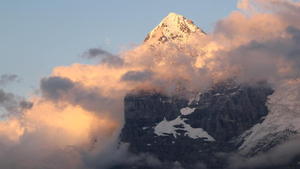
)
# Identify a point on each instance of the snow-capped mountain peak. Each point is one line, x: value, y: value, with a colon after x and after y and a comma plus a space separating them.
x: 174, y: 28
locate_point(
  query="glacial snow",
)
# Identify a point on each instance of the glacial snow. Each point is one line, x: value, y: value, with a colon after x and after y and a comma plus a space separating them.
x: 171, y: 127
x: 284, y: 115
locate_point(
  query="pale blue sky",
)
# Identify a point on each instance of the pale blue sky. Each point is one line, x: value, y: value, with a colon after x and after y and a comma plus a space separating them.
x: 37, y: 35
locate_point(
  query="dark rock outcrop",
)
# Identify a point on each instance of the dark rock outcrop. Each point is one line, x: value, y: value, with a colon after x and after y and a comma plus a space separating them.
x: 227, y: 110
x: 224, y: 112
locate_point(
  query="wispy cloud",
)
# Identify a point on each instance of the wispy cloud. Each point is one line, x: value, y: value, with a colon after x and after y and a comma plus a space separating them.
x: 6, y: 79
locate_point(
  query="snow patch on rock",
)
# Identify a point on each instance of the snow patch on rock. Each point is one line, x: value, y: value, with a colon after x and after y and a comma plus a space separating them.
x: 187, y: 110
x: 165, y: 128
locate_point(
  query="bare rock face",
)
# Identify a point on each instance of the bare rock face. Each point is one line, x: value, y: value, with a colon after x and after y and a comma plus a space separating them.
x: 228, y: 109
x: 176, y: 129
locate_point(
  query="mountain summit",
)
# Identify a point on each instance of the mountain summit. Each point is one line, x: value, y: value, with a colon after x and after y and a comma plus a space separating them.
x: 231, y: 125
x: 174, y: 28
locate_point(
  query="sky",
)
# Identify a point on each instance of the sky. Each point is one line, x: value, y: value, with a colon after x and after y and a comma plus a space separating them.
x: 39, y: 35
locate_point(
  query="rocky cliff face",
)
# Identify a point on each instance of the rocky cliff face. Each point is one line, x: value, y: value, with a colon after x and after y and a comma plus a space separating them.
x: 195, y: 131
